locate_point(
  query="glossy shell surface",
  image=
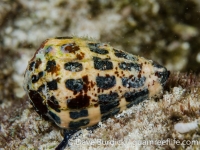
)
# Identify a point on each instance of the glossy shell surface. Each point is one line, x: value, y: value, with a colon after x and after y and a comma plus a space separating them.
x: 78, y: 82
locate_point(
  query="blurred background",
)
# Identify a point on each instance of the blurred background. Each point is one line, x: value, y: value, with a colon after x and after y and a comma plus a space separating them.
x: 164, y: 31
x: 167, y: 31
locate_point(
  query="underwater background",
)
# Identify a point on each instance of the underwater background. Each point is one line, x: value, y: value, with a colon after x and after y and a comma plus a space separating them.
x: 165, y: 31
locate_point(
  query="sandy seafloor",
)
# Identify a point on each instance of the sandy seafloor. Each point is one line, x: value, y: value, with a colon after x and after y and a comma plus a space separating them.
x: 165, y: 31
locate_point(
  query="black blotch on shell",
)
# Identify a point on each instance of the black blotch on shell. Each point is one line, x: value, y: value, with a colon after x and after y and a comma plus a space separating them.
x: 107, y: 98
x: 102, y: 64
x: 51, y: 66
x: 35, y: 78
x: 70, y: 48
x: 129, y: 66
x: 110, y: 114
x: 38, y: 62
x: 53, y: 103
x: 52, y: 85
x: 135, y: 98
x: 55, y: 117
x: 79, y: 102
x: 133, y: 82
x: 87, y: 84
x: 78, y: 124
x: 105, y: 82
x: 41, y: 87
x: 37, y: 102
x: 74, y: 84
x: 82, y: 100
x: 73, y: 66
x: 163, y: 76
x: 31, y: 66
x: 78, y: 114
x: 104, y: 108
x: 94, y: 47
x: 121, y: 54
